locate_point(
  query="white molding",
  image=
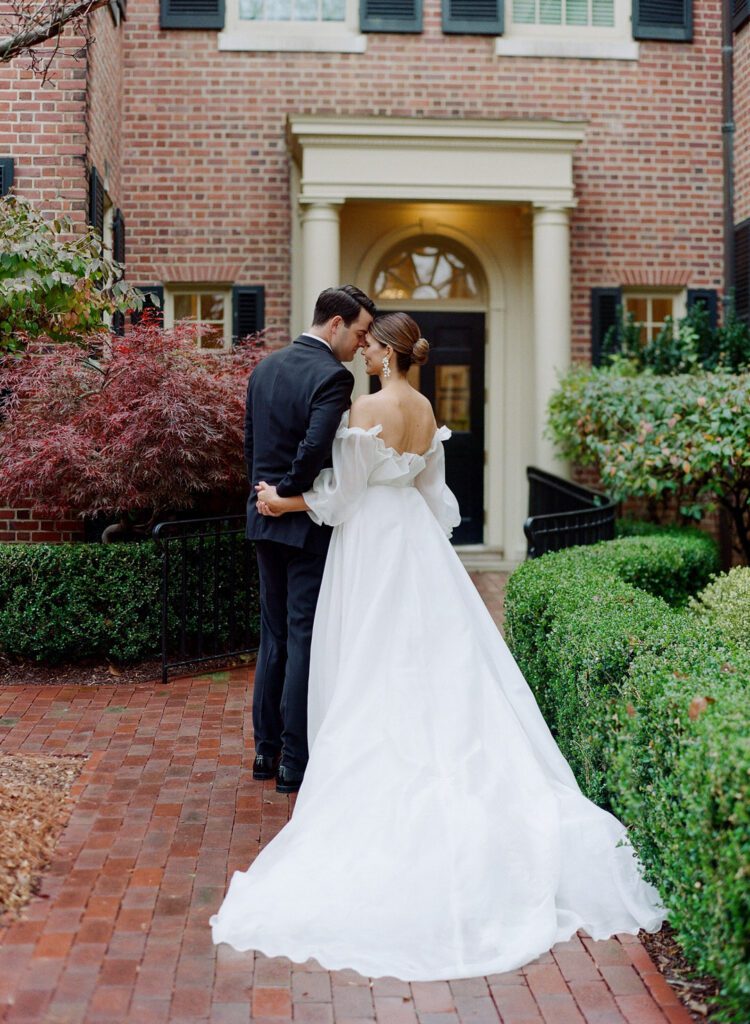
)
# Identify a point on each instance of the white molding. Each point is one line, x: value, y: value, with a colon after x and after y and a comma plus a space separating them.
x: 426, y: 159
x: 586, y: 49
x: 251, y: 38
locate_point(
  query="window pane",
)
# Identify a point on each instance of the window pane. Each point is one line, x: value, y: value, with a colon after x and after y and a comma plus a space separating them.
x: 424, y: 264
x: 660, y: 310
x: 278, y: 10
x: 212, y: 337
x: 577, y: 12
x: 603, y: 13
x: 212, y: 307
x: 638, y: 307
x: 334, y: 10
x: 185, y: 307
x: 453, y: 397
x: 550, y: 12
x: 251, y: 9
x: 524, y: 12
x: 306, y: 10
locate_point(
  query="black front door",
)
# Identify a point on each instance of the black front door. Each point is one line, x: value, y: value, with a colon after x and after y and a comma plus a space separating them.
x: 453, y: 380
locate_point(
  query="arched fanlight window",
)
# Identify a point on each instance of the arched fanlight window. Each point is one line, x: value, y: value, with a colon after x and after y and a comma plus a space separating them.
x: 427, y: 269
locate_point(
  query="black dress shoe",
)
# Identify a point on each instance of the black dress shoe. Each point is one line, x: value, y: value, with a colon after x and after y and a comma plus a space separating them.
x: 264, y: 767
x: 288, y: 781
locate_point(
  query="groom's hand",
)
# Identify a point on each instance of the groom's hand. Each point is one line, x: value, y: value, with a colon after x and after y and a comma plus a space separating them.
x: 269, y: 503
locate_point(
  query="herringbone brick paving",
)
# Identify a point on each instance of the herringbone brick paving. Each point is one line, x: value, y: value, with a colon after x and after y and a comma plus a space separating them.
x: 165, y: 810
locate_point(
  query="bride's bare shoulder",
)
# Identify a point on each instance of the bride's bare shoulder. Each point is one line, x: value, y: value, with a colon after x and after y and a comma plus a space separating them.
x: 364, y: 412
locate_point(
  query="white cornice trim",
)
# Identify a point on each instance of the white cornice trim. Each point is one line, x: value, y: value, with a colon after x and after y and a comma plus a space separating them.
x: 416, y: 132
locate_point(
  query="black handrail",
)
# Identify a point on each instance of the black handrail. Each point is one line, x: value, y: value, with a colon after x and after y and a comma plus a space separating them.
x: 209, y: 596
x: 563, y: 514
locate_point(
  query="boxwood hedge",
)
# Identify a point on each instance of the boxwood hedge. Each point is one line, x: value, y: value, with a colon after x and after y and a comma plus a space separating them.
x: 61, y: 602
x: 650, y: 706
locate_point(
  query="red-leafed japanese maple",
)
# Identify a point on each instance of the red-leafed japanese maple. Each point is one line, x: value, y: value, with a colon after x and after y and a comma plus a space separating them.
x: 146, y: 425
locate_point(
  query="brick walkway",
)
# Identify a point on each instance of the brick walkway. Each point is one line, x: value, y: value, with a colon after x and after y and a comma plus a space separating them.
x: 165, y: 810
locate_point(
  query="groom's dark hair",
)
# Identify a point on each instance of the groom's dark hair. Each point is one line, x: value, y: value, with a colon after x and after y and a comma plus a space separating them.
x: 345, y: 301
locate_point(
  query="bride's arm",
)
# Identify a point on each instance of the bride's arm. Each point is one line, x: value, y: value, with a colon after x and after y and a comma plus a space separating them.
x: 276, y: 505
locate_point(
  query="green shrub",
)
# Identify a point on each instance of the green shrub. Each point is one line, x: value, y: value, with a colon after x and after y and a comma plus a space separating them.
x: 574, y: 622
x: 649, y: 706
x: 682, y: 438
x: 65, y: 602
x: 68, y: 601
x: 680, y: 775
x: 726, y: 603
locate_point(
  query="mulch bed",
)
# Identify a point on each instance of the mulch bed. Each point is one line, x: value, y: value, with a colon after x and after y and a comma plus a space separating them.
x: 77, y: 673
x: 98, y: 673
x: 697, y: 994
x: 34, y: 807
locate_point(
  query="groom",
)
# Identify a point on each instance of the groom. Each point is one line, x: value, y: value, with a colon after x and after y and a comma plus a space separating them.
x: 295, y: 399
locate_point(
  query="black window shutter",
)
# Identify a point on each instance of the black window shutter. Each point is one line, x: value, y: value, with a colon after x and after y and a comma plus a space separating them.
x: 740, y: 13
x: 663, y: 19
x: 96, y: 201
x: 118, y: 236
x: 390, y: 15
x: 6, y: 174
x: 150, y: 292
x: 248, y: 310
x: 606, y: 306
x: 709, y: 299
x: 474, y: 17
x: 191, y: 14
x: 742, y: 271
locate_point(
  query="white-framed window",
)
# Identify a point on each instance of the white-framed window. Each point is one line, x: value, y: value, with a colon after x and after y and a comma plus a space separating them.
x: 568, y: 28
x: 650, y: 308
x: 210, y: 306
x: 301, y: 25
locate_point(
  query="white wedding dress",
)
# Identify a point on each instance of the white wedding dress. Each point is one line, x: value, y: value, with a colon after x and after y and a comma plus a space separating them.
x: 439, y: 832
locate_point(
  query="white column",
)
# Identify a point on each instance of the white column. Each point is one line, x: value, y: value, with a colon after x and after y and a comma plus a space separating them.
x: 320, y: 252
x: 551, y: 261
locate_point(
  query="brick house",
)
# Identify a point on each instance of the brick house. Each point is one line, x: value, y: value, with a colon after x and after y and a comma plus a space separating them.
x: 509, y: 172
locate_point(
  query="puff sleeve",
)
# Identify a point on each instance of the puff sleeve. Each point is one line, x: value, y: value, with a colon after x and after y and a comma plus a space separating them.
x: 433, y: 488
x: 337, y: 493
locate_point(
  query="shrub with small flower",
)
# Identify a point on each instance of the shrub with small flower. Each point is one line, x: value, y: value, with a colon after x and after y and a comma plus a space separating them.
x: 685, y: 436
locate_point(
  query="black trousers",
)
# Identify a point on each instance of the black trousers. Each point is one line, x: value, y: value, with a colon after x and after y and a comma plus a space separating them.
x: 289, y: 585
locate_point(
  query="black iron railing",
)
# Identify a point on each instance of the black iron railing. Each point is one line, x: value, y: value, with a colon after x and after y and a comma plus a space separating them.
x: 562, y: 514
x: 210, y: 606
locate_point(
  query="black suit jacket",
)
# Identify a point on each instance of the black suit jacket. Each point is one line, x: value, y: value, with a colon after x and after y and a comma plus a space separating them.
x: 295, y: 399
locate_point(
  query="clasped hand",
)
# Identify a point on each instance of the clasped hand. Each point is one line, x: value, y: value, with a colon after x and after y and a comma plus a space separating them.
x: 269, y: 503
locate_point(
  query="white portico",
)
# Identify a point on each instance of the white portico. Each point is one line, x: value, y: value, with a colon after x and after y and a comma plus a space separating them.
x: 493, y: 197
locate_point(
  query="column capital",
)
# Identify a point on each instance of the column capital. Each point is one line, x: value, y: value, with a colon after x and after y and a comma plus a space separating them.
x: 307, y: 204
x: 552, y: 212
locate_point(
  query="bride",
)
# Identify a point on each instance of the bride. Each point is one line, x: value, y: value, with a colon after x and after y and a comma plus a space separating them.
x: 439, y: 833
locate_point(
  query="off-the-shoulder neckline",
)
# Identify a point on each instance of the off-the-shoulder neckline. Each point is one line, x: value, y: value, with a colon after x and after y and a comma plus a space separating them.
x: 441, y: 434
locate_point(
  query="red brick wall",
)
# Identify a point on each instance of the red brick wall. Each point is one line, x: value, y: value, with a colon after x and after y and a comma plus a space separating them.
x: 742, y: 124
x: 23, y: 524
x: 54, y: 132
x: 105, y: 101
x: 44, y: 129
x: 207, y: 170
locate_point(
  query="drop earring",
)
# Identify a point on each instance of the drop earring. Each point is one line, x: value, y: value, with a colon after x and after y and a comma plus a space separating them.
x: 386, y: 366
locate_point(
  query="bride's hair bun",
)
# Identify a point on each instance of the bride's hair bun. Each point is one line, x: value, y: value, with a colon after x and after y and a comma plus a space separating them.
x: 421, y: 351
x: 402, y: 334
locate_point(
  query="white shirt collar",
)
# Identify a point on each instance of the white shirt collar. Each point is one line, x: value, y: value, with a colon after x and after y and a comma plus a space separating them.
x: 307, y: 334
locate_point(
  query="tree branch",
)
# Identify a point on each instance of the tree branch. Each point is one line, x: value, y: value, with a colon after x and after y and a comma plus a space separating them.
x: 35, y: 29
